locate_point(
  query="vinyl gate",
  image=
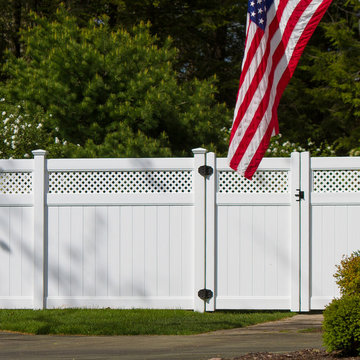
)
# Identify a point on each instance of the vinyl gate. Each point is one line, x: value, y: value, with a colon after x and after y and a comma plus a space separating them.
x: 152, y: 233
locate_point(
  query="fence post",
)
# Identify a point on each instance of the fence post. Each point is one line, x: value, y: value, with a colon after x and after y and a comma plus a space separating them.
x: 39, y: 228
x: 305, y: 232
x: 295, y: 231
x: 199, y: 250
x: 210, y: 236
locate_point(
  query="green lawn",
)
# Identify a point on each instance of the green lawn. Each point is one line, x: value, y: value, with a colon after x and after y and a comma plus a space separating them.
x: 129, y: 322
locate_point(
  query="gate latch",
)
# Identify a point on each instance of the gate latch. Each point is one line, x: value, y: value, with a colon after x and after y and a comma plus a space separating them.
x: 205, y: 170
x: 300, y: 195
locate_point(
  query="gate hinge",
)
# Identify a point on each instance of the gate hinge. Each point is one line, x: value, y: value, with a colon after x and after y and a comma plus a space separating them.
x: 300, y: 195
x: 205, y: 294
x: 205, y: 170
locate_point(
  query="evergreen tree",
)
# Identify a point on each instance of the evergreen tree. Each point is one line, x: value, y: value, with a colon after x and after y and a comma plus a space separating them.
x: 106, y: 93
x: 322, y: 100
x: 209, y: 34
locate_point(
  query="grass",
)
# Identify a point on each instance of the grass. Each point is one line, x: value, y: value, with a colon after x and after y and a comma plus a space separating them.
x: 310, y: 330
x: 128, y: 322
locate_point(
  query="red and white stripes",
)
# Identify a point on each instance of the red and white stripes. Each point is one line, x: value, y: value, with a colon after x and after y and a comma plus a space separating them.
x: 270, y: 60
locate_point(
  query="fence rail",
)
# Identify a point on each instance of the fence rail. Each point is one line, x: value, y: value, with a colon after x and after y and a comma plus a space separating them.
x: 151, y: 233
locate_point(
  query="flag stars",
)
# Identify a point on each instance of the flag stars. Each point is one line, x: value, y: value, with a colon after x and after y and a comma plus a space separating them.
x: 257, y: 10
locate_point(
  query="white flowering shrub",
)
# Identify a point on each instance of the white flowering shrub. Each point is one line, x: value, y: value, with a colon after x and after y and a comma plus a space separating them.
x: 355, y: 152
x: 279, y: 148
x: 21, y: 133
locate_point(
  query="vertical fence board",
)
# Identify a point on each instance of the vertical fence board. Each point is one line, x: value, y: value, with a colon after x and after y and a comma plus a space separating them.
x: 247, y: 251
x: 5, y: 251
x: 187, y: 259
x: 258, y: 240
x: 283, y: 250
x: 126, y: 251
x: 76, y: 251
x: 151, y: 251
x: 113, y: 254
x: 327, y: 251
x: 53, y: 252
x: 138, y: 269
x: 316, y: 251
x: 175, y: 254
x: 163, y: 222
x: 27, y: 252
x: 64, y: 251
x: 271, y: 276
x: 16, y: 239
x: 222, y: 250
x: 231, y: 277
x: 89, y: 271
x: 341, y: 234
x: 101, y: 239
x: 353, y: 229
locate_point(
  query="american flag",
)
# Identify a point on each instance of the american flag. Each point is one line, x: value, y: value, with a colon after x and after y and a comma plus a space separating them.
x: 277, y: 32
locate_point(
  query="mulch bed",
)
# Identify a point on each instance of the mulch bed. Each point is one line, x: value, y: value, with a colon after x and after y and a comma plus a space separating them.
x: 307, y: 354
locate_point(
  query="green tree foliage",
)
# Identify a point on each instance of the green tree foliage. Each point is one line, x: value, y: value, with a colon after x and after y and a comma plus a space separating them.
x: 320, y: 106
x: 348, y: 274
x: 110, y: 93
x: 210, y: 35
x: 14, y: 15
x: 322, y: 101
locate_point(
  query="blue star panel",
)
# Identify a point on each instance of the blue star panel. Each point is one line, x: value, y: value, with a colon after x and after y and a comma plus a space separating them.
x: 258, y: 10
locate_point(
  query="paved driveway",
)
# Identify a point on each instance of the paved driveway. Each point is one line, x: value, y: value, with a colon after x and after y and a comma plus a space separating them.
x: 299, y: 332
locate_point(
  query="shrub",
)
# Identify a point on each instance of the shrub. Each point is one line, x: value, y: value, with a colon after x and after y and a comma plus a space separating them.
x: 342, y: 325
x: 348, y: 274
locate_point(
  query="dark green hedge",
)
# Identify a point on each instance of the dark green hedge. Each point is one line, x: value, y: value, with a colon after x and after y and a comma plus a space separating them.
x: 342, y: 325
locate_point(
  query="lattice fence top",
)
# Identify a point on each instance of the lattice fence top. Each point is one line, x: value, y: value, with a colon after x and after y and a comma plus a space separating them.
x: 174, y: 181
x: 16, y: 183
x: 112, y: 182
x: 334, y: 181
x: 262, y: 182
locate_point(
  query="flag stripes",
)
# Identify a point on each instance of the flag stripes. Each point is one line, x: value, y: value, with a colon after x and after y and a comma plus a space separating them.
x: 270, y: 59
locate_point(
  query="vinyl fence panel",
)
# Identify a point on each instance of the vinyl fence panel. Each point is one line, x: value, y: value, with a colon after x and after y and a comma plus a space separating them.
x: 335, y: 214
x: 121, y: 233
x: 16, y: 234
x: 254, y: 238
x: 184, y: 233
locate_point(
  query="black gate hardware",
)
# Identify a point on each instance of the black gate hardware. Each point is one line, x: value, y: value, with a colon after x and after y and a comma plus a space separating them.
x: 300, y: 195
x: 206, y: 170
x: 205, y: 294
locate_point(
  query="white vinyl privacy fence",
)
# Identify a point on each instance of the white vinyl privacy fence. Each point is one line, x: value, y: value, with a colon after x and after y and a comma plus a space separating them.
x: 175, y: 232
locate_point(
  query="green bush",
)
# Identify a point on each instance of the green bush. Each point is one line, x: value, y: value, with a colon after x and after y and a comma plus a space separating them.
x: 348, y: 274
x: 342, y: 325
